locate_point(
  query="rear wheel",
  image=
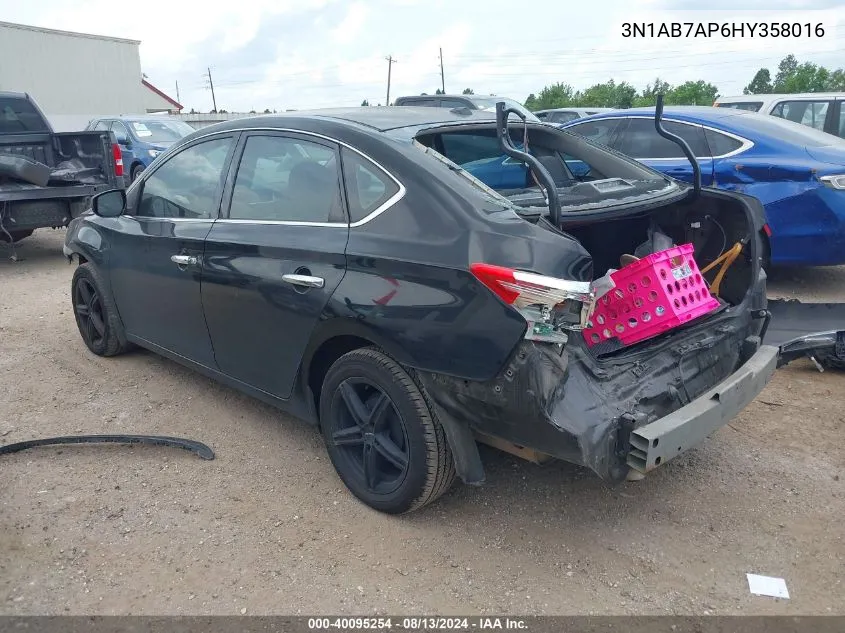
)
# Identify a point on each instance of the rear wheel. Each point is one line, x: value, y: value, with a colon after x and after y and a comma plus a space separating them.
x: 383, y: 439
x: 96, y: 314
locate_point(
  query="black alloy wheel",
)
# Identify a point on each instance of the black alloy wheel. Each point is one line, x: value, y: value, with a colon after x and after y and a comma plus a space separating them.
x: 382, y: 434
x: 89, y: 313
x: 370, y: 435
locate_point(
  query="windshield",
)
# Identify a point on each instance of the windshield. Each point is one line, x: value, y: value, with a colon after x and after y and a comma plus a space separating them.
x: 489, y: 104
x: 155, y: 131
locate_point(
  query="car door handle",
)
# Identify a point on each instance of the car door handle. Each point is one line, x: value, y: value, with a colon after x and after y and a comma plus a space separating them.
x: 184, y: 260
x: 304, y: 280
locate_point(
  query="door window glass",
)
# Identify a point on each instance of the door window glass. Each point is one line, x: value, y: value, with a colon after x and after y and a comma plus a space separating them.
x: 187, y: 185
x: 599, y: 131
x: 641, y: 140
x: 119, y: 131
x: 287, y: 179
x: 367, y: 186
x: 810, y: 113
x: 563, y: 117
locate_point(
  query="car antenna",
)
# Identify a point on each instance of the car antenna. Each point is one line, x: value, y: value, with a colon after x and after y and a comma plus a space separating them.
x: 685, y: 148
x: 507, y: 146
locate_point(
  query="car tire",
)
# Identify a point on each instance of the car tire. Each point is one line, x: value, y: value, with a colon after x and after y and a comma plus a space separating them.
x: 136, y: 171
x: 382, y: 436
x: 96, y: 314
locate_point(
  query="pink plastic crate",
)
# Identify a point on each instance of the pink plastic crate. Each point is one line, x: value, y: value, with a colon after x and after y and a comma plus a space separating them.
x: 655, y: 294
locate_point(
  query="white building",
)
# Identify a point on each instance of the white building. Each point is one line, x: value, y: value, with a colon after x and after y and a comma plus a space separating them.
x: 74, y: 76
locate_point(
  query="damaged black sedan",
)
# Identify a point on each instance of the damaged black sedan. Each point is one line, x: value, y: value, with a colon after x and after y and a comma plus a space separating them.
x: 345, y: 266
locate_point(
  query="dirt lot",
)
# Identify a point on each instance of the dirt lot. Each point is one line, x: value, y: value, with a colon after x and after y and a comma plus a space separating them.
x: 268, y: 528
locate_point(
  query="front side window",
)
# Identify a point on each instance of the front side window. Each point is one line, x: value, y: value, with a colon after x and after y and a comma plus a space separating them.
x: 285, y: 179
x: 367, y: 186
x: 119, y: 131
x: 187, y: 185
x: 809, y: 113
x: 641, y: 140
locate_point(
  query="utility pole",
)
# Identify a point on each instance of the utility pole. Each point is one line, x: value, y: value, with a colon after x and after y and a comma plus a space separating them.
x: 177, y: 92
x: 211, y: 85
x: 442, y: 80
x: 390, y: 62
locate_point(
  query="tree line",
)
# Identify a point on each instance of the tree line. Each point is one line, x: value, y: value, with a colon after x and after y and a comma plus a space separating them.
x: 791, y: 77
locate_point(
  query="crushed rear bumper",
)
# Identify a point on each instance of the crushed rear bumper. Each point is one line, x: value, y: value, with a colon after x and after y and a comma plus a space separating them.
x: 656, y: 443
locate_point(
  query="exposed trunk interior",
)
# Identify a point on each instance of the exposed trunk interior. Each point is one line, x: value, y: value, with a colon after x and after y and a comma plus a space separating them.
x: 713, y: 226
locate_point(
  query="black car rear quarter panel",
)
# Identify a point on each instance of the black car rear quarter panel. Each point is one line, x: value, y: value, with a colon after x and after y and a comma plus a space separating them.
x: 564, y: 402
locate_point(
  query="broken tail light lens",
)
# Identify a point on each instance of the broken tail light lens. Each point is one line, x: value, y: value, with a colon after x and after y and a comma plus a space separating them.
x: 549, y: 305
x: 118, y: 159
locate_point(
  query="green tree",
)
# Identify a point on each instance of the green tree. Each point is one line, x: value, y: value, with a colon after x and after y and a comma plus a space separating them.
x: 467, y: 91
x: 439, y: 92
x: 650, y: 92
x: 761, y: 84
x: 531, y: 102
x: 365, y: 103
x: 693, y: 93
x: 557, y: 95
x: 608, y: 95
x: 266, y: 110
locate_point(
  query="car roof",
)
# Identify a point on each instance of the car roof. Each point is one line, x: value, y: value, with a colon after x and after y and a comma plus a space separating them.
x: 781, y: 95
x: 380, y: 118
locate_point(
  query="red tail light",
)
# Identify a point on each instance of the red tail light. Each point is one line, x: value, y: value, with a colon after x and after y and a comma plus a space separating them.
x: 118, y: 159
x: 547, y: 303
x: 767, y: 230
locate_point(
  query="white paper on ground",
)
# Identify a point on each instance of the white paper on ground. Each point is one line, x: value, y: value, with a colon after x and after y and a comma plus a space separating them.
x: 767, y: 586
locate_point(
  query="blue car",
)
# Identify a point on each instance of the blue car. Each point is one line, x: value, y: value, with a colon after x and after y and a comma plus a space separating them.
x: 797, y: 172
x: 141, y: 138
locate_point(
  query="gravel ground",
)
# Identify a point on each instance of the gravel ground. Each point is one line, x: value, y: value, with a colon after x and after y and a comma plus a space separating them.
x: 267, y: 527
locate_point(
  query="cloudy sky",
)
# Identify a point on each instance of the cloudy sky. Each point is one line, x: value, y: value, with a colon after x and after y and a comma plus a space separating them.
x: 282, y: 54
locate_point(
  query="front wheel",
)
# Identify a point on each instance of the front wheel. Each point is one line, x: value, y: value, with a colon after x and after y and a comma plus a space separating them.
x: 383, y: 439
x: 96, y: 314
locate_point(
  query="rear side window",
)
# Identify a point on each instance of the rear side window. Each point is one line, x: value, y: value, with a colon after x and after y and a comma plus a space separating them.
x: 101, y: 126
x: 18, y: 116
x: 720, y: 144
x: 641, y: 140
x: 286, y: 179
x: 809, y: 113
x: 367, y: 186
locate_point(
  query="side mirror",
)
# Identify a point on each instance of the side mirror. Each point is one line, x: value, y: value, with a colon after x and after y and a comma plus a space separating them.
x: 109, y: 204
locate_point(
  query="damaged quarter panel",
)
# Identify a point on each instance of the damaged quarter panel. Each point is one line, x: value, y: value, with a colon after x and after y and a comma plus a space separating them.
x: 407, y: 286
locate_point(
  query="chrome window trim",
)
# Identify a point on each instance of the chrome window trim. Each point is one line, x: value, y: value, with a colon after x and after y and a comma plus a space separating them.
x: 373, y: 214
x: 746, y: 143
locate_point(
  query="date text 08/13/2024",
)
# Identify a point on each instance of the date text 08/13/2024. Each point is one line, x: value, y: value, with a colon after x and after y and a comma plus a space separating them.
x: 416, y: 623
x: 722, y: 29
